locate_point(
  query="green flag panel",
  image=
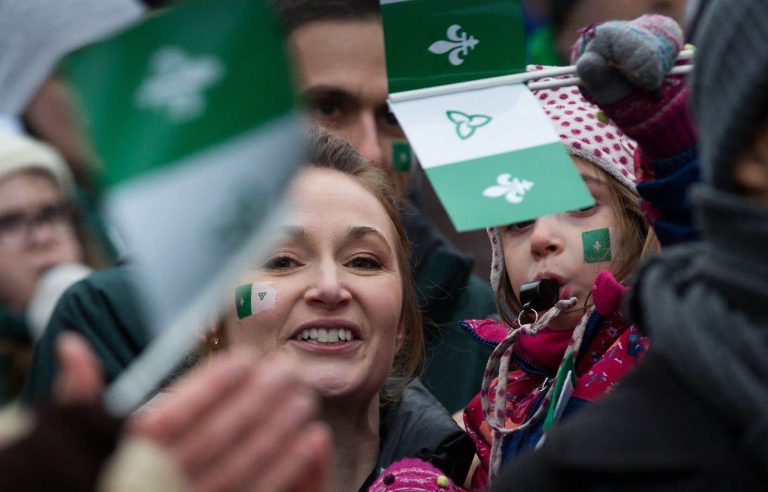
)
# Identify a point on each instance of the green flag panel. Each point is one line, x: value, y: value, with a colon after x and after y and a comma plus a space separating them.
x: 437, y: 42
x: 508, y: 188
x: 197, y: 75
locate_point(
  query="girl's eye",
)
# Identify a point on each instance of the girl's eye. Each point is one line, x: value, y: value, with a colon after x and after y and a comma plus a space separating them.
x: 280, y: 263
x: 584, y: 210
x: 519, y: 226
x: 364, y: 262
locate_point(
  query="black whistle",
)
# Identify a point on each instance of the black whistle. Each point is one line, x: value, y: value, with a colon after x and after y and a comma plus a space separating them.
x: 539, y: 295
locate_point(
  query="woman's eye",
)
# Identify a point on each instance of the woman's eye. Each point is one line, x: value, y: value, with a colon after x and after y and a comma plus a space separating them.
x: 519, y: 226
x: 280, y: 263
x: 364, y: 263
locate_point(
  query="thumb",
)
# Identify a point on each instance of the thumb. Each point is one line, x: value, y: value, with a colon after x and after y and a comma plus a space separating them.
x: 80, y: 379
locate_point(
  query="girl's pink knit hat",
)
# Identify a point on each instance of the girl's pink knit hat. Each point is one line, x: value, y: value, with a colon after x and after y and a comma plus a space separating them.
x: 584, y: 135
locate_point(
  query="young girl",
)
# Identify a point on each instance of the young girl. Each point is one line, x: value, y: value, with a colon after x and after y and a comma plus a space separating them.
x: 548, y: 363
x: 578, y: 350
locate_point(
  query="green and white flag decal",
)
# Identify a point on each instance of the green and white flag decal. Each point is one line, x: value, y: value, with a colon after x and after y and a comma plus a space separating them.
x: 254, y: 298
x: 191, y: 116
x: 492, y: 155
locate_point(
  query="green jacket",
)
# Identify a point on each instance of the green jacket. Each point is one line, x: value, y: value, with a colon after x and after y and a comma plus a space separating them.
x: 103, y: 308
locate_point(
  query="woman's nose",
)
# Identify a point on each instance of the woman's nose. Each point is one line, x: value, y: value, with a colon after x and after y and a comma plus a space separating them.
x: 546, y: 237
x: 328, y: 287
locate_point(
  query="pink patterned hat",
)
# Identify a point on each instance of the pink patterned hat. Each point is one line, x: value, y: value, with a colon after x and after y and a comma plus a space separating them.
x: 584, y: 135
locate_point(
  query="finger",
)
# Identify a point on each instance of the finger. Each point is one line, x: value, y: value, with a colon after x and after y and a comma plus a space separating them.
x: 80, y: 379
x: 266, y: 395
x: 317, y: 453
x: 193, y: 396
x: 260, y: 449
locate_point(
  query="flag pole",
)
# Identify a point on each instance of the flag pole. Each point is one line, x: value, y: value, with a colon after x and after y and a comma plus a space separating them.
x: 518, y: 78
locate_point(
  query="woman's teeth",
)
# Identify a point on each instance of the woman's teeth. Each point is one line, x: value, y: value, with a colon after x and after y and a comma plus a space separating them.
x: 322, y: 335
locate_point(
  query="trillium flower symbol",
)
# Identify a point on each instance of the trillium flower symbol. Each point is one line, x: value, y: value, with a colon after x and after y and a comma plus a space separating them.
x: 466, y: 124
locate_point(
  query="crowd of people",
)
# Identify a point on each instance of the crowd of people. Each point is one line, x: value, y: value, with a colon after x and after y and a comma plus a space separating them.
x: 364, y: 352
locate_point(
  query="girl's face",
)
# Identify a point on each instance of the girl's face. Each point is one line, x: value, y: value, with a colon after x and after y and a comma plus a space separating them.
x: 330, y: 296
x: 570, y: 248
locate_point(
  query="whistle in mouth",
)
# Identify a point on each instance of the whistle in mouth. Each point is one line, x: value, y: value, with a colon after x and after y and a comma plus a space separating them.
x: 539, y: 295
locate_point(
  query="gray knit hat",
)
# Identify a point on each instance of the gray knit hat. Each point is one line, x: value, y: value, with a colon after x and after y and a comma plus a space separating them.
x: 730, y: 83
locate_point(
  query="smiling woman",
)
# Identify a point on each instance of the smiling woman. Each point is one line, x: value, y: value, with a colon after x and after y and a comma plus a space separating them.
x: 337, y: 299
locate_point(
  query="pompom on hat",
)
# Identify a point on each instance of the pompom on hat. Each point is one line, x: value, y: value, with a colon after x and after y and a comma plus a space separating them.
x: 579, y: 125
x: 413, y: 475
x: 22, y: 153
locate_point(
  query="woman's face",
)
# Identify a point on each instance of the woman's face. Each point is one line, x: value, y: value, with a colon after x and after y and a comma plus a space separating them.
x: 36, y: 233
x: 330, y: 295
x: 570, y: 248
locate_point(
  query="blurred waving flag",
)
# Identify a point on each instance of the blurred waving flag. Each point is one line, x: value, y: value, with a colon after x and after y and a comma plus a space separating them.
x: 190, y: 114
x: 492, y: 154
x: 35, y: 34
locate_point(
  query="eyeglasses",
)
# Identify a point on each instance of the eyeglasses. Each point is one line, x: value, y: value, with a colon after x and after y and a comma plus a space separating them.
x: 16, y: 227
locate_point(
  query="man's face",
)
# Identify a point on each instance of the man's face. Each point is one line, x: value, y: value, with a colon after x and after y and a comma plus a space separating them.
x: 343, y: 80
x: 751, y: 169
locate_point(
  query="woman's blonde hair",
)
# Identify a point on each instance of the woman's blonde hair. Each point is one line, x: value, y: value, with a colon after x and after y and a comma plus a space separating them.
x: 635, y: 239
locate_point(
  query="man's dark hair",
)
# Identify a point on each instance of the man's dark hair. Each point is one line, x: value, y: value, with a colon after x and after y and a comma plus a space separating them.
x: 295, y: 13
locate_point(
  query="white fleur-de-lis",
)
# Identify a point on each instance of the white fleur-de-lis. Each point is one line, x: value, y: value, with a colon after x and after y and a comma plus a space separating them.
x: 457, y: 46
x: 466, y: 124
x: 177, y: 82
x: 513, y: 189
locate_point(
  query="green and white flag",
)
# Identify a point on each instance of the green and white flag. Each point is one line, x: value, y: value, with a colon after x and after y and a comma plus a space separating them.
x: 191, y: 116
x: 492, y: 155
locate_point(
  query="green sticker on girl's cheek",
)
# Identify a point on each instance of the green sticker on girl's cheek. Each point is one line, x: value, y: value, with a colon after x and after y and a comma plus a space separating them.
x: 597, y: 245
x: 401, y: 156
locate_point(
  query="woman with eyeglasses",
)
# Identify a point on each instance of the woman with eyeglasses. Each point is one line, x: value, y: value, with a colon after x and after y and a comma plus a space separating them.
x: 41, y: 246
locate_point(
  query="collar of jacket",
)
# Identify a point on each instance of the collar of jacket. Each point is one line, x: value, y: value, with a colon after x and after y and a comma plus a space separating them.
x: 419, y: 426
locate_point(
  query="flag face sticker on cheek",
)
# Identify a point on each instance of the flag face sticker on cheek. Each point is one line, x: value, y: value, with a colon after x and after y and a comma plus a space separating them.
x: 254, y: 298
x: 597, y: 245
x: 401, y: 156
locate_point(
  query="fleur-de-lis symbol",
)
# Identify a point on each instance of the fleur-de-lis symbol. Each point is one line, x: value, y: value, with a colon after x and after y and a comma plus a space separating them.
x: 467, y: 124
x: 177, y: 83
x: 513, y: 189
x: 457, y: 46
